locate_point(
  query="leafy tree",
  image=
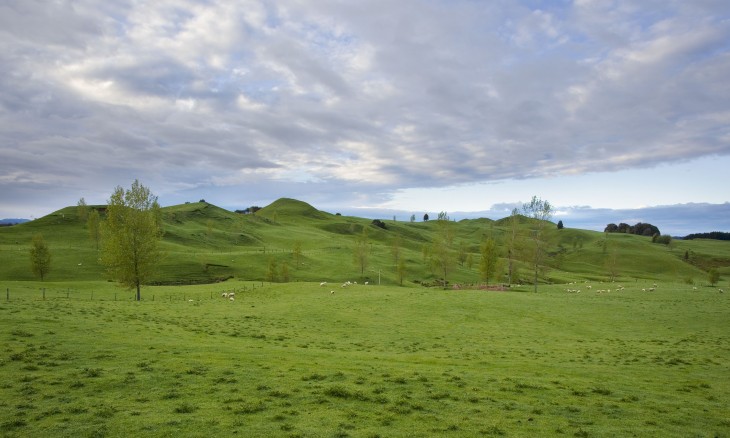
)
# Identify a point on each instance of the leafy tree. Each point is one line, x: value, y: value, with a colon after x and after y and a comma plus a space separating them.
x: 271, y: 271
x: 40, y: 256
x: 713, y: 276
x: 425, y: 217
x: 361, y: 251
x: 413, y: 218
x: 82, y: 210
x: 297, y: 253
x: 93, y: 223
x: 541, y: 212
x: 463, y: 253
x: 285, y: 272
x: 131, y: 235
x: 560, y: 225
x: 488, y: 260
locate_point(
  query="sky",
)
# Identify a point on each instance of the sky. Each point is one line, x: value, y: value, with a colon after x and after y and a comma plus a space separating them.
x: 611, y: 110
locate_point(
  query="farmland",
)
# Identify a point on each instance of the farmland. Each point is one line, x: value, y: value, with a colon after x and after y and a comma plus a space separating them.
x: 81, y: 358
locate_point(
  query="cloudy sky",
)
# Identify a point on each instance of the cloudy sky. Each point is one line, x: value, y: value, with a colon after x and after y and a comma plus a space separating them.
x: 612, y: 110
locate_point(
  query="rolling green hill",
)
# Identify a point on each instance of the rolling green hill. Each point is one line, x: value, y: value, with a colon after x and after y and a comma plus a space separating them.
x: 204, y: 243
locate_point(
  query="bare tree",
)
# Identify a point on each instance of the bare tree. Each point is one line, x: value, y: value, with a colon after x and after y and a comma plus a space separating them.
x: 541, y: 212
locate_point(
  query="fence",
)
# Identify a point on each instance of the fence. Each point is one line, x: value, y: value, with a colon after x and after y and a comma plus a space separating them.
x: 19, y: 292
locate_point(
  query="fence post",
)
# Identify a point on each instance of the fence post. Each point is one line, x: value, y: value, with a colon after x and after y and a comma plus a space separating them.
x: 92, y: 295
x: 44, y: 294
x: 7, y: 294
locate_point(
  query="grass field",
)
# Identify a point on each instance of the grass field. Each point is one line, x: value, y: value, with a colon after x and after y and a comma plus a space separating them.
x: 296, y: 360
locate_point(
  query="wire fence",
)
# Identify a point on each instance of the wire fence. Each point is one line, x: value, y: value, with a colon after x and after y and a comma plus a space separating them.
x: 28, y: 293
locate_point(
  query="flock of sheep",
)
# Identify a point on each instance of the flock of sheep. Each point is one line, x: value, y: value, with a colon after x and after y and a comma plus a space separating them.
x: 620, y: 288
x: 345, y: 284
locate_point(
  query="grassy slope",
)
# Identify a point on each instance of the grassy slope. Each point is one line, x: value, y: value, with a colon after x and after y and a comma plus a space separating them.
x: 203, y: 242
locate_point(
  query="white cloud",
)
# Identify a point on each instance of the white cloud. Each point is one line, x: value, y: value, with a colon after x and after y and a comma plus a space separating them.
x: 374, y: 99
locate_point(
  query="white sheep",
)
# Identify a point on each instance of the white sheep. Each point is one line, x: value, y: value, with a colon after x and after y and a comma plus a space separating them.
x: 322, y: 283
x: 224, y: 295
x: 231, y: 294
x: 721, y: 291
x: 232, y: 298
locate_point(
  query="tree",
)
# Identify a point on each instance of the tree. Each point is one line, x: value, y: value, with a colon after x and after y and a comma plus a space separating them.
x: 361, y: 251
x: 489, y: 258
x: 297, y: 253
x: 93, y: 223
x: 512, y: 244
x: 271, y: 272
x: 401, y: 271
x: 82, y: 210
x: 285, y: 272
x: 131, y: 235
x: 442, y: 258
x: 413, y: 218
x: 541, y: 212
x: 713, y: 276
x: 425, y: 217
x: 560, y: 225
x: 40, y: 256
x: 396, y: 249
x: 463, y: 253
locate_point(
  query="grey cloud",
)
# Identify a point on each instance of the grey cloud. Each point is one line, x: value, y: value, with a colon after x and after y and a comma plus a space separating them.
x: 420, y: 94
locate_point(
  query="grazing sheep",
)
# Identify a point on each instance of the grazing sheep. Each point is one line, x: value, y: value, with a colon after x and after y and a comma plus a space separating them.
x: 231, y: 294
x: 322, y: 283
x: 721, y: 291
x: 331, y: 292
x: 224, y: 295
x: 367, y: 282
x: 232, y: 298
x: 694, y: 288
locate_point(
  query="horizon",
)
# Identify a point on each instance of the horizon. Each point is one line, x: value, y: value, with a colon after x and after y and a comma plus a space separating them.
x: 617, y: 110
x: 572, y: 217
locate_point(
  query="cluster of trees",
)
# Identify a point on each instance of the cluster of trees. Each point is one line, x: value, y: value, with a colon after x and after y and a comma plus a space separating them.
x: 640, y: 229
x: 716, y: 235
x: 249, y: 210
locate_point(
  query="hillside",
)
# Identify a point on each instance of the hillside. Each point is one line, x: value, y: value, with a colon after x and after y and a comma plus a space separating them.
x: 205, y: 243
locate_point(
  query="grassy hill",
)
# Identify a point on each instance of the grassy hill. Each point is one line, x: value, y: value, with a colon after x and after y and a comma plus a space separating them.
x: 204, y: 243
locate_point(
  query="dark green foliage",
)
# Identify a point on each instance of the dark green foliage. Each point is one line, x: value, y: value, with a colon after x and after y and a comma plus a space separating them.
x: 716, y: 235
x: 640, y: 229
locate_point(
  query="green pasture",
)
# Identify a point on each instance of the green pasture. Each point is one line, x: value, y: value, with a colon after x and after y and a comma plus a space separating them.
x: 203, y: 243
x: 300, y: 359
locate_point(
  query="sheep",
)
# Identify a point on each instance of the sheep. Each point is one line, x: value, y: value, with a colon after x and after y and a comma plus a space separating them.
x: 322, y: 283
x: 694, y: 288
x: 231, y: 294
x: 366, y: 283
x: 224, y: 295
x: 332, y: 292
x: 721, y: 291
x: 232, y: 299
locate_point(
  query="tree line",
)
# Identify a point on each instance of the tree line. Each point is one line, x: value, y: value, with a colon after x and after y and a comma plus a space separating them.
x: 641, y: 229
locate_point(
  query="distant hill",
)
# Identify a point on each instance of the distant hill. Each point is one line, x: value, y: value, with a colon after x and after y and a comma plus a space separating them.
x: 204, y: 243
x: 12, y: 221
